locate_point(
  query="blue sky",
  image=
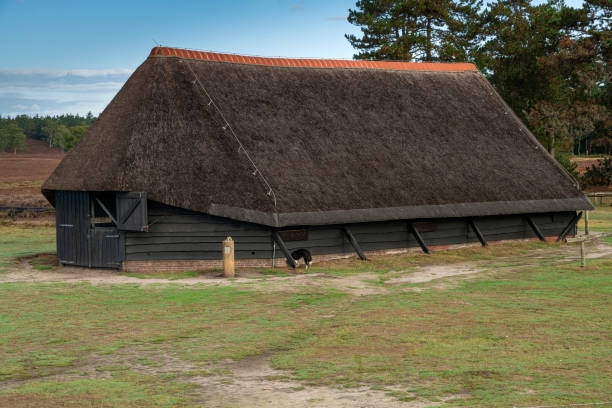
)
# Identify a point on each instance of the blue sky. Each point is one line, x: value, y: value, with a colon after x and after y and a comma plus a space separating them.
x: 66, y: 56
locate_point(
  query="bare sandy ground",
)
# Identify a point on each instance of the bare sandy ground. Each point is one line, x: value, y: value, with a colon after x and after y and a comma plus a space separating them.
x: 250, y: 382
x: 357, y: 284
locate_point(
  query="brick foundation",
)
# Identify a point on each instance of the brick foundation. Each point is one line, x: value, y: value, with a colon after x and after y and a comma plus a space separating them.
x: 191, y: 265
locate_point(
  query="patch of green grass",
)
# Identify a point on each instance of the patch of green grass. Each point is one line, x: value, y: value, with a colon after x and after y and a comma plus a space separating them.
x: 42, y: 267
x: 44, y: 262
x: 533, y: 335
x: 543, y: 329
x: 600, y: 220
x: 383, y: 264
x: 123, y: 389
x: 20, y: 240
x: 320, y: 300
x: 206, y: 324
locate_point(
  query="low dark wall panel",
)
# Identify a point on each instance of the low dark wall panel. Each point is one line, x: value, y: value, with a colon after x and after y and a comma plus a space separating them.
x: 321, y: 241
x: 181, y: 234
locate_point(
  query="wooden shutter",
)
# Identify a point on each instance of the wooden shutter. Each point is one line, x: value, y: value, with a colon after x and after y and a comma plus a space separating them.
x: 132, y: 211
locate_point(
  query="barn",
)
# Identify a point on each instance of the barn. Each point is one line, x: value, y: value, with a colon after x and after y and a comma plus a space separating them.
x: 338, y: 157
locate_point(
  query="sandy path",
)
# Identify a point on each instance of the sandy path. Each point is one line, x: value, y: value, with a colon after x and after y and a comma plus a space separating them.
x: 356, y: 284
x: 429, y: 273
x: 253, y: 384
x: 250, y: 382
x: 353, y: 284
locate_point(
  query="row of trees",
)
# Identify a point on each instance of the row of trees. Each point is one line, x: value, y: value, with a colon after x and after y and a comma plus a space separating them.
x: 63, y: 131
x: 550, y: 62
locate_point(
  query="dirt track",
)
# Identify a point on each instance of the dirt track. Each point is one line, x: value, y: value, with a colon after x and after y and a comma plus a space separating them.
x: 356, y: 284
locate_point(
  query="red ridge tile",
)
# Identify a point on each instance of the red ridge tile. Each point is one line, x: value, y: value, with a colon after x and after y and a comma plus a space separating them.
x: 310, y: 63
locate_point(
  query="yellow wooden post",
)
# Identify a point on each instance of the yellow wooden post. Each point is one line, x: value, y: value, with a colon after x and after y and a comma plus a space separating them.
x: 228, y: 258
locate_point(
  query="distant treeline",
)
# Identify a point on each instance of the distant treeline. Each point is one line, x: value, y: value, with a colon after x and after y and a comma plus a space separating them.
x: 62, y: 131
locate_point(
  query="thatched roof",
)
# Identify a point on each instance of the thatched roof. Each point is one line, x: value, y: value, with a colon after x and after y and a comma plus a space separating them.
x: 341, y: 141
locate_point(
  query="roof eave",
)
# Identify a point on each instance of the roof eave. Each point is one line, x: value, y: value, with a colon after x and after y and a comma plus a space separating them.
x: 279, y: 220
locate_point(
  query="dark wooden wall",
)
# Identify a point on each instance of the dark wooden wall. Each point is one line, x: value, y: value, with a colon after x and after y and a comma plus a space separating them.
x: 395, y: 234
x: 175, y: 233
x: 72, y: 227
x: 181, y: 234
x: 81, y: 241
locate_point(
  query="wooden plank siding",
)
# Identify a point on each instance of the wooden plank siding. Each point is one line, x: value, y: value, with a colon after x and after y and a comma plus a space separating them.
x: 175, y: 233
x: 181, y: 234
x: 72, y: 227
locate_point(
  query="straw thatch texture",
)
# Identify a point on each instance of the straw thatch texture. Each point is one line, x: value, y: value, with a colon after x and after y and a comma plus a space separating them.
x: 328, y: 140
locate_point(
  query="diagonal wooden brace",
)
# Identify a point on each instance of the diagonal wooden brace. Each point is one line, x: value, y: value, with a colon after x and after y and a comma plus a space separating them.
x: 476, y: 230
x: 106, y: 211
x: 354, y: 243
x: 281, y: 244
x: 535, y: 228
x: 569, y: 226
x: 418, y: 237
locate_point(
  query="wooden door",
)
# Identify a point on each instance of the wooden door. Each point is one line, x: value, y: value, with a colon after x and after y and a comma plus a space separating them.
x: 106, y: 247
x: 72, y: 221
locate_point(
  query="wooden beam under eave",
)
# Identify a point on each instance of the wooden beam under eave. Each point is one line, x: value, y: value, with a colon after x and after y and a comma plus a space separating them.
x: 354, y: 243
x: 418, y: 237
x: 535, y: 228
x: 569, y: 226
x: 476, y: 230
x: 281, y: 244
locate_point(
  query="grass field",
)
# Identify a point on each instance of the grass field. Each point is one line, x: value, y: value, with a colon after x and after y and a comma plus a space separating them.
x: 19, y: 240
x: 529, y: 330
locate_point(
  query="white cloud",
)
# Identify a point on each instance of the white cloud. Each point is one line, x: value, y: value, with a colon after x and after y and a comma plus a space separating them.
x: 49, y: 92
x: 59, y: 87
x: 85, y: 73
x: 100, y: 72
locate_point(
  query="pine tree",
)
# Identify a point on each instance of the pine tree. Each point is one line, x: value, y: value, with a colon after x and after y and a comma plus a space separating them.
x: 3, y: 136
x: 576, y: 77
x: 517, y: 38
x: 415, y: 30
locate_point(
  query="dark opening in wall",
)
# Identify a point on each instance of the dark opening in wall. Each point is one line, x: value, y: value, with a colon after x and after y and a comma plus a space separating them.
x: 294, y: 235
x: 425, y: 226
